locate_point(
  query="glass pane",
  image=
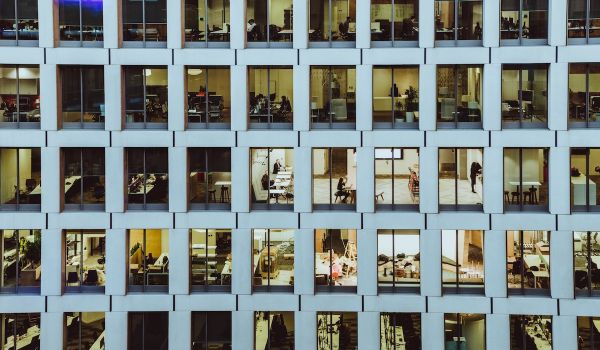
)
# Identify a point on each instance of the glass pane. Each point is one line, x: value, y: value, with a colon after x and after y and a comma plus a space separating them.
x: 444, y: 20
x: 587, y: 332
x: 461, y: 178
x: 319, y: 24
x: 93, y: 176
x: 8, y: 86
x: 594, y: 178
x: 577, y: 92
x: 342, y: 106
x: 198, y: 177
x: 512, y: 177
x: 400, y: 330
x: 218, y: 20
x: 93, y: 94
x: 92, y: 20
x: 470, y: 19
x: 157, y: 185
x: 530, y: 332
x: 383, y: 100
x: 219, y: 174
x: 134, y: 94
x: 256, y: 28
x: 7, y: 20
x: 156, y: 20
x: 29, y: 94
x: 27, y: 15
x: 470, y: 92
x: 511, y: 105
x: 281, y: 94
x: 534, y: 93
x: 535, y: 176
x: 195, y: 20
x: 70, y: 82
x: 10, y: 251
x: 406, y: 102
x: 10, y: 189
x: 381, y: 20
x: 156, y: 95
x: 577, y: 22
x: 535, y: 19
x: 135, y: 175
x: 594, y: 19
x: 157, y: 257
x: 281, y: 21
x: 448, y: 170
x: 72, y: 175
x: 470, y: 258
x: 594, y: 92
x: 446, y: 93
x: 321, y: 176
x: 133, y: 21
x: 219, y: 92
x: 30, y: 253
x: 509, y: 19
x: 27, y: 327
x: 68, y: 20
x: 150, y: 330
x: 259, y: 100
x: 343, y: 20
x: 196, y: 94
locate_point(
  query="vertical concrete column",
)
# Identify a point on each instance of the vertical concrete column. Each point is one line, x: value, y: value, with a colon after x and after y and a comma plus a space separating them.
x: 302, y: 108
x: 491, y: 24
x: 240, y: 173
x: 47, y: 22
x: 175, y: 22
x: 428, y: 179
x: 178, y: 179
x: 177, y: 98
x: 304, y: 261
x: 557, y: 23
x: 432, y: 330
x: 300, y: 23
x: 365, y: 192
x: 237, y: 25
x: 367, y: 262
x: 363, y: 25
x: 51, y: 262
x: 364, y: 88
x: 561, y: 264
x: 179, y: 262
x: 111, y: 20
x: 50, y: 182
x: 431, y: 263
x: 113, y: 97
x: 426, y: 24
x: 558, y: 100
x: 306, y: 331
x: 497, y: 332
x: 51, y: 330
x: 180, y: 330
x: 564, y: 332
x: 303, y: 179
x: 115, y: 334
x: 560, y: 180
x: 116, y: 263
x: 243, y: 330
x: 115, y: 179
x: 368, y: 330
x: 494, y: 256
x: 241, y: 279
x: 493, y: 185
x: 239, y: 98
x: 427, y: 94
x: 49, y: 97
x: 492, y: 96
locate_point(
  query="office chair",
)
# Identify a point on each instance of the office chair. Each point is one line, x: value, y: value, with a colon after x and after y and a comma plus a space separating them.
x: 72, y: 278
x: 30, y: 184
x: 92, y: 277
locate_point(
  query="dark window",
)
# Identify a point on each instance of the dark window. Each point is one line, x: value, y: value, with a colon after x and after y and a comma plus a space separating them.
x: 148, y: 260
x: 85, y: 258
x: 458, y: 22
x: 586, y: 258
x: 460, y: 180
x: 210, y: 260
x: 19, y: 96
x: 210, y: 178
x: 333, y: 97
x: 528, y: 262
x: 332, y: 23
x: 274, y: 330
x: 148, y: 331
x: 334, y: 178
x: 524, y: 96
x: 400, y: 331
x: 20, y: 179
x: 337, y: 330
x: 584, y: 97
x: 270, y: 98
x: 19, y: 22
x: 462, y: 261
x: 524, y: 22
x: 462, y: 330
x: 21, y: 261
x: 273, y: 260
x: 396, y: 97
x: 336, y: 257
x: 211, y: 330
x: 84, y: 330
x: 147, y: 178
x: 459, y: 96
x: 82, y: 96
x: 83, y: 177
x: 146, y: 97
x: 145, y: 23
x: 272, y: 177
x: 526, y: 179
x: 20, y: 326
x: 80, y: 22
x: 394, y: 23
x: 530, y: 332
x: 398, y: 260
x: 207, y: 23
x: 587, y: 333
x: 208, y: 97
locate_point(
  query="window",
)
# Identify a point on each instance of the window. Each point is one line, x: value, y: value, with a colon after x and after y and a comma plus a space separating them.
x: 210, y: 178
x: 208, y: 97
x: 17, y: 328
x: 21, y: 261
x: 83, y: 178
x: 271, y: 97
x: 273, y: 260
x: 524, y: 95
x: 148, y: 260
x: 211, y: 329
x: 530, y: 332
x: 395, y: 97
x: 528, y: 262
x: 20, y: 170
x: 80, y: 23
x: 459, y: 96
x: 526, y: 179
x: 146, y: 97
x: 144, y: 23
x: 148, y: 331
x: 462, y: 261
x: 586, y: 257
x: 148, y: 178
x: 584, y: 192
x: 334, y: 178
x: 272, y: 178
x: 398, y: 260
x: 84, y: 330
x: 587, y: 333
x: 458, y: 22
x: 19, y: 96
x: 584, y: 97
x: 210, y: 260
x: 397, y: 178
x: 400, y: 331
x: 207, y: 23
x: 394, y: 23
x: 273, y: 330
x: 583, y: 22
x: 336, y: 257
x: 464, y: 331
x: 460, y: 179
x: 85, y: 257
x: 333, y: 101
x: 82, y: 96
x: 332, y: 23
x: 524, y: 22
x: 19, y: 23
x: 337, y: 330
x: 270, y: 23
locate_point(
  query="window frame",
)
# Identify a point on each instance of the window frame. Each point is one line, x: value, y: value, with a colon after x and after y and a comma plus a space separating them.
x: 207, y: 205
x: 588, y: 111
x: 17, y: 19
x: 81, y: 287
x: 391, y: 320
x: 520, y: 40
x: 593, y: 341
x: 206, y: 42
x: 143, y: 43
x: 18, y: 206
x: 82, y: 174
x: 460, y: 324
x: 18, y: 289
x: 206, y: 315
x: 146, y: 124
x: 270, y: 123
x: 458, y: 206
x: 589, y: 290
x: 521, y: 206
x: 331, y: 287
x: 397, y: 286
x: 456, y: 41
x: 145, y: 205
x: 19, y: 124
x: 269, y: 287
x: 455, y: 123
x: 332, y: 205
x: 145, y: 287
x: 83, y: 70
x: 414, y: 194
x: 394, y: 124
x: 586, y: 27
x: 81, y: 42
x: 207, y: 287
x: 587, y: 207
x: 521, y: 321
x: 208, y: 124
x: 520, y: 123
x: 330, y: 25
x: 144, y: 329
x: 330, y: 123
x: 77, y: 318
x: 328, y: 315
x: 396, y: 42
x: 522, y: 290
x: 268, y: 43
x: 459, y: 287
x: 12, y: 332
x: 256, y: 205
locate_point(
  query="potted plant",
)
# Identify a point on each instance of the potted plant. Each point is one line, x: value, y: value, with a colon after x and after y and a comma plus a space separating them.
x: 411, y: 104
x: 31, y: 253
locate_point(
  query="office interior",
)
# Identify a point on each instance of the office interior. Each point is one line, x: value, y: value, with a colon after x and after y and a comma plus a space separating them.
x: 459, y: 95
x: 400, y: 331
x: 462, y: 260
x: 208, y: 96
x: 272, y: 176
x: 273, y: 257
x: 80, y: 21
x: 584, y: 94
x: 19, y: 20
x: 273, y: 330
x: 397, y: 176
x: 271, y: 95
x: 146, y: 96
x: 210, y: 260
x: 332, y: 20
x: 586, y: 252
x: 210, y: 177
x: 84, y: 330
x: 207, y: 20
x: 85, y: 258
x: 528, y: 259
x: 458, y: 19
x: 334, y: 176
x: 145, y: 21
x: 525, y: 178
x: 19, y: 83
x: 273, y: 21
x: 394, y: 20
x: 398, y: 258
x: 211, y: 329
x: 148, y: 329
x: 464, y: 331
x: 585, y: 174
x: 21, y: 328
x: 588, y: 332
x: 83, y: 178
x: 395, y: 95
x: 523, y: 20
x: 530, y: 332
x: 460, y: 177
x: 82, y: 95
x: 148, y: 257
x: 21, y: 259
x: 333, y: 96
x: 525, y: 94
x: 20, y: 170
x: 147, y: 176
x: 337, y: 330
x: 581, y: 22
x: 336, y: 258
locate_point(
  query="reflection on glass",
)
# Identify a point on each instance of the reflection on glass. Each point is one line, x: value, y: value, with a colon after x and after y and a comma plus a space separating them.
x: 523, y: 21
x: 145, y: 21
x: 19, y: 21
x: 334, y: 177
x: 584, y: 95
x: 20, y: 329
x: 396, y: 96
x: 397, y: 177
x: 85, y: 257
x: 272, y: 177
x: 210, y: 257
x: 528, y: 261
x: 147, y: 178
x: 20, y: 170
x: 21, y: 260
x: 82, y: 95
x: 271, y: 96
x: 210, y: 178
x: 460, y: 180
x: 207, y: 21
x: 337, y: 330
x: 148, y: 330
x: 211, y: 330
x: 146, y: 96
x: 586, y: 257
x: 335, y: 258
x: 333, y: 96
x: 394, y: 20
x: 19, y: 96
x: 83, y: 176
x: 148, y: 259
x: 462, y: 260
x: 208, y: 96
x: 459, y: 96
x: 525, y: 178
x: 84, y: 330
x: 332, y: 21
x: 464, y: 331
x: 398, y: 258
x: 80, y: 21
x: 273, y: 258
x: 530, y: 332
x: 400, y: 331
x: 274, y: 330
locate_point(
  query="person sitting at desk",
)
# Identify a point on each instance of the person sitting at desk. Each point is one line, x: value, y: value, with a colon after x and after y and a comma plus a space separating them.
x: 252, y: 30
x: 265, y: 181
x: 344, y: 27
x: 341, y: 190
x: 150, y: 259
x: 285, y: 107
x: 276, y: 167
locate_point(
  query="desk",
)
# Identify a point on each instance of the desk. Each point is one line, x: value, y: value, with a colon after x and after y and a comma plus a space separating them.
x: 579, y: 184
x: 539, y: 274
x: 24, y: 340
x: 99, y: 343
x: 536, y: 260
x: 541, y: 343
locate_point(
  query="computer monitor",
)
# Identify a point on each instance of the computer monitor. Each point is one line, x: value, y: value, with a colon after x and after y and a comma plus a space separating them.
x: 595, y: 103
x: 526, y: 95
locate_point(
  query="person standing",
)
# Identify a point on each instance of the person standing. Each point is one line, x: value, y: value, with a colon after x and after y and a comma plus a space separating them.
x: 475, y: 171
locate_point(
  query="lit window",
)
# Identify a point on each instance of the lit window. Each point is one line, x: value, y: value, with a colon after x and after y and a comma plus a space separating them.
x: 524, y: 95
x: 458, y: 22
x: 274, y: 330
x: 18, y: 329
x: 462, y: 261
x: 584, y: 101
x: 334, y: 178
x: 272, y: 178
x: 460, y: 181
x: 396, y: 97
x: 523, y: 22
x: 21, y: 261
x: 20, y: 96
x: 333, y: 97
x: 148, y: 260
x: 583, y: 22
x: 19, y: 22
x: 398, y: 260
x: 210, y: 178
x: 270, y: 99
x: 459, y: 96
x: 20, y: 170
x: 530, y: 332
x: 337, y: 330
x: 146, y: 97
x: 273, y: 260
x: 210, y: 260
x: 270, y: 23
x: 85, y: 259
x: 332, y: 23
x: 586, y: 257
x: 587, y: 333
x: 84, y: 330
x: 207, y: 23
x: 525, y: 179
x: 397, y: 178
x: 584, y: 167
x: 528, y: 262
x: 462, y: 330
x: 336, y: 258
x: 394, y: 23
x: 400, y: 331
x: 147, y: 178
x: 208, y: 97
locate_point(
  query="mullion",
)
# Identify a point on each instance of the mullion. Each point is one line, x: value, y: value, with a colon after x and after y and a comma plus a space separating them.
x: 589, y: 262
x: 268, y: 168
x: 144, y: 261
x: 206, y: 97
x: 206, y: 39
x: 521, y: 192
x: 144, y: 88
x: 79, y: 330
x: 588, y: 22
x: 269, y: 258
x: 81, y: 179
x: 206, y: 179
x: 18, y: 89
x: 587, y: 94
x: 268, y: 25
x: 393, y: 258
x: 520, y: 93
x: 207, y: 279
x: 269, y: 116
x: 587, y: 179
x: 18, y: 267
x: 18, y: 191
x: 17, y: 41
x: 393, y: 159
x: 521, y: 249
x: 144, y: 25
x: 330, y: 153
x: 455, y: 68
x: 80, y: 25
x: 330, y: 260
x: 456, y: 19
x: 81, y: 112
x: 145, y: 175
x: 330, y: 29
x: 456, y: 179
x: 393, y: 96
x: 329, y: 80
x: 393, y: 34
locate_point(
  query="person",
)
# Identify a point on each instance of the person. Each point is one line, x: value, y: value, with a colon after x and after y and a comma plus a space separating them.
x: 475, y: 170
x: 344, y: 27
x: 265, y: 181
x: 276, y: 167
x: 394, y: 90
x: 150, y: 259
x: 251, y: 30
x: 285, y: 107
x: 341, y: 190
x: 477, y: 32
